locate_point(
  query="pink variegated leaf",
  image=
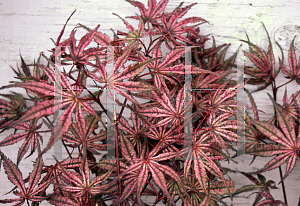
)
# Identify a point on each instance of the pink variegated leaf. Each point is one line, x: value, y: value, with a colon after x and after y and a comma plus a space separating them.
x: 86, y: 39
x: 48, y: 72
x: 13, y: 173
x: 172, y: 30
x: 42, y: 87
x: 165, y: 156
x: 223, y: 187
x: 171, y: 57
x: 292, y: 58
x: 160, y: 180
x: 133, y: 70
x: 63, y: 125
x: 101, y: 178
x: 180, y: 12
x: 152, y: 13
x: 59, y: 200
x: 190, y: 20
x: 288, y: 146
x: 294, y: 72
x: 13, y: 139
x: 276, y: 162
x: 285, y: 123
x: 266, y: 150
x: 129, y: 170
x: 141, y: 181
x: 23, y: 149
x: 254, y: 107
x: 35, y: 175
x: 99, y: 37
x: 130, y: 186
x: 123, y: 58
x: 284, y: 69
x: 134, y: 86
x: 270, y: 54
x: 155, y: 112
x: 271, y: 132
x: 128, y: 26
x: 21, y: 201
x: 127, y: 148
x: 79, y: 54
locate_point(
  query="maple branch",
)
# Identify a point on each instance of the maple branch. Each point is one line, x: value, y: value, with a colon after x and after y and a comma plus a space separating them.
x: 156, y: 43
x: 142, y: 44
x: 158, y: 200
x: 43, y: 131
x: 274, y: 89
x: 285, y: 83
x: 157, y: 195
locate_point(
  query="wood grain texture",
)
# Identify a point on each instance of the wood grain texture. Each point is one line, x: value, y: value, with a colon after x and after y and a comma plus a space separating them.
x: 27, y: 26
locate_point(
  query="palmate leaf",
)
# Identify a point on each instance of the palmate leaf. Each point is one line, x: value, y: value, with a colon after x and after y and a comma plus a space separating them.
x: 78, y: 54
x: 289, y: 144
x: 167, y: 110
x: 173, y: 30
x: 133, y: 36
x: 152, y: 13
x: 81, y: 184
x: 260, y: 184
x: 162, y: 133
x: 264, y: 62
x: 114, y: 81
x: 10, y: 111
x: 150, y: 164
x: 59, y: 200
x: 81, y: 135
x: 15, y: 176
x: 70, y: 102
x: 30, y: 135
x: 294, y: 72
x: 137, y: 179
x: 162, y: 70
x: 214, y: 189
x: 53, y: 173
x: 219, y: 127
x: 269, y: 201
x: 197, y: 153
x: 135, y: 134
x: 291, y: 107
x: 99, y: 37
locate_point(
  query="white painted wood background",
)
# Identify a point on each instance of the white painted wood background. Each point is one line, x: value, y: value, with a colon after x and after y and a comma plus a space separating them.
x: 27, y: 26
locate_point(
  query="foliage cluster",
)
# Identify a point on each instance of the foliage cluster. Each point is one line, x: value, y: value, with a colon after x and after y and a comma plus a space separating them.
x: 172, y: 145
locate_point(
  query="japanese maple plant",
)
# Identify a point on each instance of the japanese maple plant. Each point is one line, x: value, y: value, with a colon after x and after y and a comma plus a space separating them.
x: 181, y: 98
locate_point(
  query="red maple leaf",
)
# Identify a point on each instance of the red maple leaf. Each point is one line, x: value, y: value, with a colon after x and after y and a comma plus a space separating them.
x: 288, y: 145
x: 15, y: 176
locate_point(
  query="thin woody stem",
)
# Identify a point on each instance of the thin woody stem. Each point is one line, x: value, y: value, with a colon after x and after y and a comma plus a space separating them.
x: 275, y: 89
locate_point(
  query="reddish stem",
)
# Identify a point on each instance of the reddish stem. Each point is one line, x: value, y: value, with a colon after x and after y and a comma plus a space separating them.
x: 87, y: 198
x: 203, y: 120
x: 157, y: 195
x: 147, y: 73
x: 156, y: 43
x: 158, y: 200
